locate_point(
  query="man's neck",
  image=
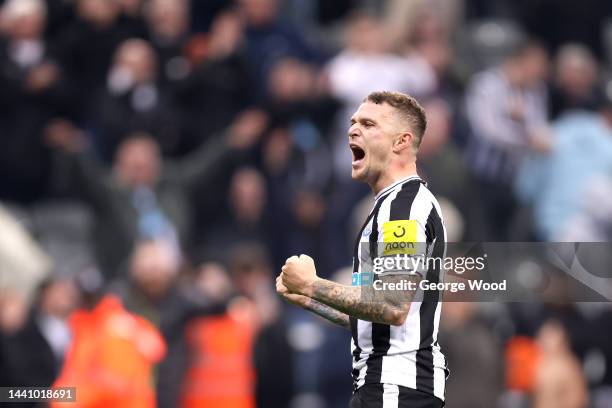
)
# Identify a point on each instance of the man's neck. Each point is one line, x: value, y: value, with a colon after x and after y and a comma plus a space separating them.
x: 392, y: 177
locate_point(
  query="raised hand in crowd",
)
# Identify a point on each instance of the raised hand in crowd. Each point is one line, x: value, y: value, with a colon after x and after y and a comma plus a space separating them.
x: 63, y: 134
x: 247, y: 129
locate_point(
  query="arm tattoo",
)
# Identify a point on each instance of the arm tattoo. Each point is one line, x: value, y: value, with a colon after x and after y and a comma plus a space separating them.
x: 329, y: 313
x: 365, y: 303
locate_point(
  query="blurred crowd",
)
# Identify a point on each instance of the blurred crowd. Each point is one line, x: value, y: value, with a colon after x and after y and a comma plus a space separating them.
x: 162, y: 158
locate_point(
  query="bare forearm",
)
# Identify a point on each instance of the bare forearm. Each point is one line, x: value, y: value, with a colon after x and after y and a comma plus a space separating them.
x: 358, y: 302
x: 328, y: 313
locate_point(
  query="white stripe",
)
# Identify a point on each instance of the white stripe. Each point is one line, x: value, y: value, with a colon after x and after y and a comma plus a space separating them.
x: 421, y: 207
x: 438, y: 358
x: 361, y: 366
x: 390, y: 396
x: 439, y: 374
x: 412, y: 325
x: 364, y: 334
x: 400, y: 369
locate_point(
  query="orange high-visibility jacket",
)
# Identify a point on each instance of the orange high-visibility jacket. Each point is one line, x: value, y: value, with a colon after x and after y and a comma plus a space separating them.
x: 110, y: 360
x: 522, y: 356
x: 221, y: 372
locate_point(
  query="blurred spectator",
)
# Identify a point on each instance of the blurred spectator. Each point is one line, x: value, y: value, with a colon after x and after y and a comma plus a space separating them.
x: 470, y: 355
x: 405, y: 19
x: 559, y: 381
x: 440, y: 163
x: 153, y: 273
x: 111, y: 357
x: 593, y: 219
x: 556, y: 184
x: 219, y: 85
x: 269, y: 38
x: 304, y: 230
x: 230, y: 378
x: 305, y: 114
x: 34, y: 355
x: 145, y: 198
x: 153, y: 291
x: 575, y: 81
x: 507, y: 111
x: 247, y: 221
x: 277, y: 154
x: 366, y: 64
x: 33, y: 90
x: 13, y: 313
x: 577, y: 325
x: 133, y: 100
x: 220, y: 371
x: 429, y: 51
x: 295, y: 94
x: 168, y: 25
x: 87, y: 45
x: 272, y: 356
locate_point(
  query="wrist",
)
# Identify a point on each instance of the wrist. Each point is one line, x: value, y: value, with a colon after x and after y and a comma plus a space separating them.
x: 306, y: 303
x: 309, y: 290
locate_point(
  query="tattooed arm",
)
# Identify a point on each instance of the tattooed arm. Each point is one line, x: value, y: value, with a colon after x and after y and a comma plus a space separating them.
x: 329, y: 313
x: 364, y: 302
x: 318, y: 308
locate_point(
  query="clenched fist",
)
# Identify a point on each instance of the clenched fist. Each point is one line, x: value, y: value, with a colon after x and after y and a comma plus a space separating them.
x: 299, y: 274
x: 294, y: 298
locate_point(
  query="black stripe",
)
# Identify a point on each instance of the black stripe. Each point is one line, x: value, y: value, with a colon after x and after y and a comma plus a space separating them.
x: 401, y: 206
x: 356, y: 262
x: 381, y: 333
x: 410, y: 398
x: 434, y: 231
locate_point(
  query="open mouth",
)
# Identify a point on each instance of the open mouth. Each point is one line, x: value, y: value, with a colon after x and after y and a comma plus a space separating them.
x: 358, y: 153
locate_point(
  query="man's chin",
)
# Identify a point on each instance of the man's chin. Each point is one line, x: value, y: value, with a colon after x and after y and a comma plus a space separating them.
x: 358, y: 175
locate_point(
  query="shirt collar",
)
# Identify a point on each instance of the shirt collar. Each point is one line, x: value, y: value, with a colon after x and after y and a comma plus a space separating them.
x: 396, y: 183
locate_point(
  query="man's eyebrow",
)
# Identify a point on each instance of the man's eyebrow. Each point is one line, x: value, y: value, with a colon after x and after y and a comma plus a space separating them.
x: 362, y: 119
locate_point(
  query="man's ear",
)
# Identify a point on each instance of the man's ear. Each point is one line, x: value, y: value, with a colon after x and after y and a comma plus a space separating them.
x: 403, y: 141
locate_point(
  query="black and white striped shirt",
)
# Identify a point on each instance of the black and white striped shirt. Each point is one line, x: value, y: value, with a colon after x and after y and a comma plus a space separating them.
x: 498, y: 140
x: 407, y: 355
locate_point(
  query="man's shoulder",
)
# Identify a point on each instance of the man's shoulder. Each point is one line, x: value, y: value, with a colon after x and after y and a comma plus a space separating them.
x: 412, y: 198
x: 411, y: 190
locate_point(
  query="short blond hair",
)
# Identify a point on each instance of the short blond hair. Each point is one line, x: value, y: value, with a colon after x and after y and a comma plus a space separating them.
x: 407, y: 106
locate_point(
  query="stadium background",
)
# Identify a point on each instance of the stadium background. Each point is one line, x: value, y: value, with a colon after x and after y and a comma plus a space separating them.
x: 218, y: 130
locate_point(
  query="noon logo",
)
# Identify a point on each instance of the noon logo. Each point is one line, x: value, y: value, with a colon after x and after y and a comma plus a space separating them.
x: 399, y: 237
